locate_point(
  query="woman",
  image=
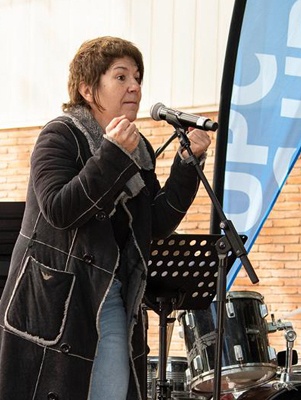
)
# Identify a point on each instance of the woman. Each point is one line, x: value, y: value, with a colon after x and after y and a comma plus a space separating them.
x: 71, y: 321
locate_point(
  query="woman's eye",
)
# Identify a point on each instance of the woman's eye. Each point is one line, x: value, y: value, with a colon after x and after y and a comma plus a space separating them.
x: 121, y: 77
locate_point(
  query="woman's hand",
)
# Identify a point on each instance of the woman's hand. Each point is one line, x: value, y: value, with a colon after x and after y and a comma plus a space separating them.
x: 199, y: 142
x: 124, y: 132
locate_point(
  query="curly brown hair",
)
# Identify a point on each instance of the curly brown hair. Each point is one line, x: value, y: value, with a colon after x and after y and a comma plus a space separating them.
x: 92, y: 60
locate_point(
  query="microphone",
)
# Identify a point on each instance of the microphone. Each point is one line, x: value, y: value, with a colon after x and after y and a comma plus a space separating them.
x: 159, y: 111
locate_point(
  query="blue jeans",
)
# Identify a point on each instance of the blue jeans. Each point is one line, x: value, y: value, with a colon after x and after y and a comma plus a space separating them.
x: 110, y: 375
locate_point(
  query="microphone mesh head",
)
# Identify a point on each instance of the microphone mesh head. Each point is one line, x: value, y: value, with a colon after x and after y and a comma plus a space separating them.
x: 155, y: 111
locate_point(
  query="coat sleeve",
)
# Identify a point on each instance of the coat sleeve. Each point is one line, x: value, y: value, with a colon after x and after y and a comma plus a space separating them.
x: 172, y: 201
x: 69, y: 189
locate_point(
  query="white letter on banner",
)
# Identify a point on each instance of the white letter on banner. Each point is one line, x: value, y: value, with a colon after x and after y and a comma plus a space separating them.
x: 291, y: 108
x: 239, y: 150
x: 257, y: 90
x: 293, y: 66
x: 251, y: 186
x: 282, y: 162
x: 294, y: 27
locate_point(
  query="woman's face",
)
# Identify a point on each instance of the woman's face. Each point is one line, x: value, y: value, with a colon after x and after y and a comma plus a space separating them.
x: 119, y: 92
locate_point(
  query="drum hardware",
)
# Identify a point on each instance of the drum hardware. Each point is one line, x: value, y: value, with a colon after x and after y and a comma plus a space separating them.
x: 287, y: 373
x: 231, y: 311
x: 238, y: 353
x: 197, y: 364
x: 284, y: 385
x: 263, y: 310
x: 188, y: 379
x: 272, y: 353
x: 289, y: 357
x: 250, y: 331
x: 190, y: 320
x: 272, y: 391
x: 278, y: 325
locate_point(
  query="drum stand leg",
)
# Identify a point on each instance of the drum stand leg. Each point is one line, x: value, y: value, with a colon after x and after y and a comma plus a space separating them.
x: 163, y: 387
x: 287, y: 374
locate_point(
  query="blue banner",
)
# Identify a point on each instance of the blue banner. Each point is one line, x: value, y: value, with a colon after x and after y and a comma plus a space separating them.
x: 264, y: 132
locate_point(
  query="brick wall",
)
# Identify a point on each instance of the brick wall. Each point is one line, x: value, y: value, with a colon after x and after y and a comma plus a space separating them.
x: 276, y: 255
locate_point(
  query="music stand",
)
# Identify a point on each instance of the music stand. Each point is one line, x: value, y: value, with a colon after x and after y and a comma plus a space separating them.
x: 182, y: 274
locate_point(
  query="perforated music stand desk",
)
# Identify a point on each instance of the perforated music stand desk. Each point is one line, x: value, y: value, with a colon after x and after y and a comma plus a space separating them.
x: 182, y: 275
x: 184, y: 267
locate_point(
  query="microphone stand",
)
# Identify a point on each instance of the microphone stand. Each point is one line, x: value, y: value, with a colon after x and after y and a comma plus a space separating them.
x: 163, y: 147
x: 232, y: 241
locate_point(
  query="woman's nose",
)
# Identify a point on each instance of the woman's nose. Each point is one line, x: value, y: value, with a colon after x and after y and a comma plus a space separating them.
x: 134, y: 86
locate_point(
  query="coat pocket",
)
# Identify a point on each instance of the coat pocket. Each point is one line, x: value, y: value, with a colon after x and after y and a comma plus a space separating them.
x: 39, y: 304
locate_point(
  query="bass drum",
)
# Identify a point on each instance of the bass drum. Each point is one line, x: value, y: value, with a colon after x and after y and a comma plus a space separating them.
x: 272, y: 392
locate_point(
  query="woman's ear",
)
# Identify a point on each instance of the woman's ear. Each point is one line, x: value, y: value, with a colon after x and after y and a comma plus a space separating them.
x: 86, y: 91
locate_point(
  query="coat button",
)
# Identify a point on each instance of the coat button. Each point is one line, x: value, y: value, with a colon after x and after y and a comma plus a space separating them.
x: 100, y: 216
x: 52, y: 396
x: 65, y: 348
x: 88, y: 258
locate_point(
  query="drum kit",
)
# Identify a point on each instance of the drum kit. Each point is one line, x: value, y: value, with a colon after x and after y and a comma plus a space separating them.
x: 251, y: 369
x: 228, y: 356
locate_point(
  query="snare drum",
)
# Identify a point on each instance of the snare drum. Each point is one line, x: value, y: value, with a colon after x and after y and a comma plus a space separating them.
x: 247, y: 359
x: 272, y: 392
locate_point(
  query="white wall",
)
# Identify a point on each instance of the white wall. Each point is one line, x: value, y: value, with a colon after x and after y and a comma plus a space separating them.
x: 183, y: 43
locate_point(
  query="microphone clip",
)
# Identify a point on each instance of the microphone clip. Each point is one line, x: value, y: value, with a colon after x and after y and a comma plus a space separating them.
x: 174, y: 121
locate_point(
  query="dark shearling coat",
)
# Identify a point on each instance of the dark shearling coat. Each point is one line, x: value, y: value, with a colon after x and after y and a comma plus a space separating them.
x: 66, y: 257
